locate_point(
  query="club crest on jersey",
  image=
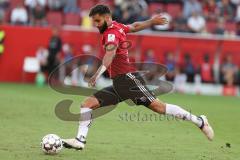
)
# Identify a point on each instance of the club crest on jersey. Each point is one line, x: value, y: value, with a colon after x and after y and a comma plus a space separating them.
x: 111, y: 38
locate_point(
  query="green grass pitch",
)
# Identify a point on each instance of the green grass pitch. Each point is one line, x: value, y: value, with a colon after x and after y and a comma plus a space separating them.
x: 27, y: 114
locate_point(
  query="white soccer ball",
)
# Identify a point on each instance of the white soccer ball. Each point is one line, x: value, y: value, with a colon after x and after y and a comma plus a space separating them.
x: 51, y: 144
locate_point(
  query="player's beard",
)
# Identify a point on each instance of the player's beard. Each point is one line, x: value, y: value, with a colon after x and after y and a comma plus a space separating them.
x: 103, y: 27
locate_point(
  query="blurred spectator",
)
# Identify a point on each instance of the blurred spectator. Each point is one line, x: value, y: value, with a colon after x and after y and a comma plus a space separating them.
x: 188, y: 68
x: 31, y: 4
x: 164, y: 1
x: 66, y: 68
x: 133, y: 55
x: 4, y: 4
x: 39, y: 16
x: 67, y: 53
x: 238, y: 77
x: 88, y: 50
x: 2, y: 15
x: 42, y: 56
x: 191, y: 6
x: 134, y: 7
x: 235, y: 2
x: 127, y: 18
x: 196, y: 23
x: 129, y: 11
x: 238, y: 28
x: 117, y: 12
x: 226, y: 10
x: 55, y: 4
x: 2, y: 38
x: 238, y: 12
x: 19, y: 15
x: 180, y: 24
x: 86, y: 20
x: 149, y: 56
x: 220, y: 29
x: 90, y: 61
x: 143, y: 16
x: 71, y: 6
x: 149, y: 59
x: 180, y: 80
x: 210, y: 10
x: 171, y: 66
x: 206, y: 71
x: 228, y: 71
x: 54, y: 48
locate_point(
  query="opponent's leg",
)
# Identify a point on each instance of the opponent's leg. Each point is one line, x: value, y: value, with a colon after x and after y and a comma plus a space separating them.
x: 178, y: 112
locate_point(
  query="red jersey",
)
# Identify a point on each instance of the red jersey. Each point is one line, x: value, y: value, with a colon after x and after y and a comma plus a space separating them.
x: 116, y: 34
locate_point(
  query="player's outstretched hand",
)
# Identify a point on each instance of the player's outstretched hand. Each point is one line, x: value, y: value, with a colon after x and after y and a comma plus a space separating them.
x: 92, y: 81
x: 159, y: 19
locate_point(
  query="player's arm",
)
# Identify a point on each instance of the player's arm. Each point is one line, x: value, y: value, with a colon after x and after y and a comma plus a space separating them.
x: 155, y: 20
x: 110, y: 50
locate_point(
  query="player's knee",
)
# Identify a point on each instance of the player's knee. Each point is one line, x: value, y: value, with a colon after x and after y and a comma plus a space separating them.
x: 90, y: 102
x: 158, y: 106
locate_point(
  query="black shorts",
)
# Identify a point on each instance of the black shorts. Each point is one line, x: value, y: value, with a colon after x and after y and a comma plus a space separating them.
x: 126, y: 86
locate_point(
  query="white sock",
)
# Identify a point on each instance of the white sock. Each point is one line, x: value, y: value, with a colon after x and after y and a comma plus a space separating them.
x: 178, y: 112
x: 85, y: 122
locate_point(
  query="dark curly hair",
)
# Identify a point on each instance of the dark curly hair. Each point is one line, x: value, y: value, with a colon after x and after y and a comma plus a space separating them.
x: 99, y: 9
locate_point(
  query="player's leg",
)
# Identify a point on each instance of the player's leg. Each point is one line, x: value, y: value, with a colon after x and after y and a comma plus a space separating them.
x: 104, y: 97
x: 174, y: 110
x: 178, y: 112
x: 141, y: 95
x: 87, y: 106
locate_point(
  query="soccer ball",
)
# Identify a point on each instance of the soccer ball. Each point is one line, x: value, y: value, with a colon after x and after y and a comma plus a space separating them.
x: 51, y: 144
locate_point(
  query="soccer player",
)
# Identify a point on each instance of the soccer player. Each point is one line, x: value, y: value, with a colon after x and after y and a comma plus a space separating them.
x: 124, y: 77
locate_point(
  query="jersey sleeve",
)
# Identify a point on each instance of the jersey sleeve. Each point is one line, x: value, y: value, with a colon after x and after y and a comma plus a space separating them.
x: 126, y: 28
x: 111, y: 37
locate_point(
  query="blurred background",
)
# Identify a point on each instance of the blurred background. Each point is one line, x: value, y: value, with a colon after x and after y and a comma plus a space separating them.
x: 199, y: 46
